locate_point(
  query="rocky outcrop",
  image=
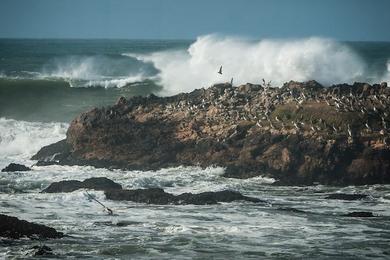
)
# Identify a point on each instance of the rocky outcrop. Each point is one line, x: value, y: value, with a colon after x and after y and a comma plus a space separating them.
x: 100, y: 183
x: 12, y: 227
x: 14, y: 167
x: 160, y: 197
x: 301, y: 133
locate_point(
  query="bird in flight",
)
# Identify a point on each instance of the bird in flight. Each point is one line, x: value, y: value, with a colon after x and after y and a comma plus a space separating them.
x: 220, y: 70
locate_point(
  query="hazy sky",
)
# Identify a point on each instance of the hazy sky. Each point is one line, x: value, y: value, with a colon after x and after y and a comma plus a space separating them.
x: 182, y: 19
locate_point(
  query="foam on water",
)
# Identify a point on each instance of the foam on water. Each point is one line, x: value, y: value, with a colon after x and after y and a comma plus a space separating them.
x: 21, y: 139
x: 278, y: 61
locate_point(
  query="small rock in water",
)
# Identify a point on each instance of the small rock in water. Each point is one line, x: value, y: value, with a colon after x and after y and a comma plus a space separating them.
x: 344, y: 196
x: 100, y: 183
x: 42, y: 250
x: 359, y: 214
x: 14, y: 167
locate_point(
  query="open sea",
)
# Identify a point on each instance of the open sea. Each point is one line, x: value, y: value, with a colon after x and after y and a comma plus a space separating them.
x: 44, y: 84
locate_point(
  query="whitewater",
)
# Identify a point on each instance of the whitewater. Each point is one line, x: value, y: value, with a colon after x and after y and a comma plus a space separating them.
x: 43, y: 88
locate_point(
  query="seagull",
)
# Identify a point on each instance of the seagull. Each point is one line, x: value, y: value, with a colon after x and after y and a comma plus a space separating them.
x: 220, y: 70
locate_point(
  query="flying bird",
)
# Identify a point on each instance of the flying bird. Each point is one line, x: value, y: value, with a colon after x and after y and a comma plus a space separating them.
x: 220, y: 70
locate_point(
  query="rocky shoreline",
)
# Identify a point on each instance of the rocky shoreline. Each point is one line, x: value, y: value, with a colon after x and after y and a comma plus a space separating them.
x: 299, y: 134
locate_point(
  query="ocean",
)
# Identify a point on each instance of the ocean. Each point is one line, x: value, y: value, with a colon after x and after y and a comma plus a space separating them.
x: 44, y: 84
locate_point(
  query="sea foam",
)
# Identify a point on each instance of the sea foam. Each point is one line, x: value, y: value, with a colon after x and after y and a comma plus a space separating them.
x: 278, y: 61
x: 21, y: 139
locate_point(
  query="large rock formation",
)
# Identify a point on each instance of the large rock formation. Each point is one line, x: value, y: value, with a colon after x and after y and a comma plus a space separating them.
x: 301, y: 133
x: 12, y: 227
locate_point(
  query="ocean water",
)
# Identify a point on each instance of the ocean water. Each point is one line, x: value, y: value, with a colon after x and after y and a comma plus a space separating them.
x: 46, y: 83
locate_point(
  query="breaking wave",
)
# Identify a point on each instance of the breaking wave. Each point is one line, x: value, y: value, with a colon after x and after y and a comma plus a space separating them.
x: 89, y: 71
x: 92, y: 71
x: 278, y: 61
x: 22, y: 139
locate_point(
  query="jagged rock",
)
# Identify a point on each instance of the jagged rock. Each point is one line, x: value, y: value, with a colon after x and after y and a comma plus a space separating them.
x: 12, y: 227
x: 344, y: 196
x: 100, y: 183
x: 301, y: 133
x: 160, y: 197
x: 14, y: 167
x: 359, y: 214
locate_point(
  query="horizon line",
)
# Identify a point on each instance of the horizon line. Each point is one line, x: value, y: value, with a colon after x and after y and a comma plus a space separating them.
x: 170, y: 39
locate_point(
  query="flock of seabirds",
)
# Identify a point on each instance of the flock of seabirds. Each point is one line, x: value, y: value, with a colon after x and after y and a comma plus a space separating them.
x: 347, y: 110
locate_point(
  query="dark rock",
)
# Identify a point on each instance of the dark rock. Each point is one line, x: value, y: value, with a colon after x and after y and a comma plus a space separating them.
x: 149, y: 196
x: 343, y: 196
x: 42, y: 251
x: 14, y: 167
x: 213, y: 197
x: 100, y: 183
x: 360, y: 214
x: 63, y: 186
x: 12, y: 227
x: 160, y: 197
x: 53, y: 152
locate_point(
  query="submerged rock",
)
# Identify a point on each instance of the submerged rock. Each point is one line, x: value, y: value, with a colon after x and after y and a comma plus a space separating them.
x: 301, y: 133
x: 99, y: 183
x: 344, y: 196
x: 360, y: 214
x: 12, y: 227
x: 160, y: 197
x: 14, y: 167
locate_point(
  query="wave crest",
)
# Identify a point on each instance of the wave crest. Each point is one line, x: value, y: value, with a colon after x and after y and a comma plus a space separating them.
x: 91, y: 71
x: 324, y: 60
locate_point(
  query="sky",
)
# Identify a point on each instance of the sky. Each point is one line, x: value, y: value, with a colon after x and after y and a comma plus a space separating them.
x: 355, y: 20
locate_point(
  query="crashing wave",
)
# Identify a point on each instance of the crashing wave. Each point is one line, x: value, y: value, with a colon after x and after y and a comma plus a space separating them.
x: 23, y: 139
x: 278, y: 61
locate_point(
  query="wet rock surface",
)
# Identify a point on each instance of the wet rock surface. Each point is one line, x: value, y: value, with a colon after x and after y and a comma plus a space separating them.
x: 12, y: 227
x: 14, y: 167
x: 301, y: 133
x: 160, y: 197
x: 99, y: 183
